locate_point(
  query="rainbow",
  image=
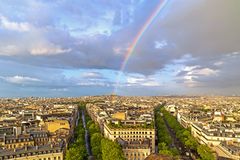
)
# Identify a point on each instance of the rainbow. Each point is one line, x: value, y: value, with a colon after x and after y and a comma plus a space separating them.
x: 138, y: 37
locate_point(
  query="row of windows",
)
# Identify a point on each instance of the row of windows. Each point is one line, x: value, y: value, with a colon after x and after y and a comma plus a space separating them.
x: 40, y: 135
x: 54, y: 158
x: 135, y: 158
x: 19, y: 145
x: 18, y: 140
x: 34, y: 153
x: 41, y: 139
x: 134, y: 147
x: 132, y: 133
x: 133, y: 136
x: 48, y: 158
x: 136, y: 154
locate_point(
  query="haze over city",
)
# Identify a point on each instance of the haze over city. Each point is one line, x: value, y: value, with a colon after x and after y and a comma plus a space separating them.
x: 74, y: 48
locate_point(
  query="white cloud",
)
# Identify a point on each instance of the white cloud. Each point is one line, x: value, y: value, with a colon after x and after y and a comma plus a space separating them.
x: 189, y: 81
x: 20, y: 79
x: 190, y: 78
x: 198, y: 71
x: 60, y: 89
x: 101, y: 84
x: 9, y: 50
x: 204, y: 72
x: 92, y: 75
x: 134, y: 80
x: 233, y: 54
x: 15, y: 26
x: 190, y: 68
x: 150, y: 83
x: 160, y: 44
x: 142, y: 81
x: 48, y: 49
x: 219, y: 63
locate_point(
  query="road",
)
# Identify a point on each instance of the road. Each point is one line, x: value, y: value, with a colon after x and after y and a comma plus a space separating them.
x: 176, y: 143
x: 86, y: 135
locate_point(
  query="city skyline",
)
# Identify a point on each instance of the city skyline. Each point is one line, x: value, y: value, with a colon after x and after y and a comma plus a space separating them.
x: 76, y: 48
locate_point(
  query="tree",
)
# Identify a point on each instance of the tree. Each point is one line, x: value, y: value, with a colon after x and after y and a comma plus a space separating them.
x: 111, y: 150
x: 93, y: 129
x: 175, y: 151
x: 191, y: 143
x: 162, y: 146
x: 96, y: 145
x: 76, y: 153
x: 205, y: 152
x: 77, y: 150
x: 165, y: 152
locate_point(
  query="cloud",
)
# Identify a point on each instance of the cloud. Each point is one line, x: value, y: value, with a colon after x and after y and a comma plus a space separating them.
x: 48, y: 49
x: 15, y: 26
x: 141, y: 80
x: 96, y: 83
x: 20, y: 79
x: 190, y: 75
x: 218, y: 63
x: 101, y: 42
x: 60, y: 89
x: 92, y: 75
x: 9, y: 50
x: 161, y: 44
x: 97, y: 36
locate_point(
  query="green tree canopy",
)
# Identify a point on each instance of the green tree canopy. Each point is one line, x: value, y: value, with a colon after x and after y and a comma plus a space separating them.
x: 205, y: 152
x: 111, y: 150
x: 96, y: 139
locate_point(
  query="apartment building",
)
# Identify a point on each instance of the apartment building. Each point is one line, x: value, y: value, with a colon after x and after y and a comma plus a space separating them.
x: 137, y: 142
x: 230, y: 149
x: 46, y: 152
x: 213, y: 136
x: 13, y: 142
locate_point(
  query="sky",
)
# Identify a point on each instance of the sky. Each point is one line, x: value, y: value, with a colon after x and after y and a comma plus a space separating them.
x: 64, y: 48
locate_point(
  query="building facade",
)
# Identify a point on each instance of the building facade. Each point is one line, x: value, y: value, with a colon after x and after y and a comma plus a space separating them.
x: 137, y: 142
